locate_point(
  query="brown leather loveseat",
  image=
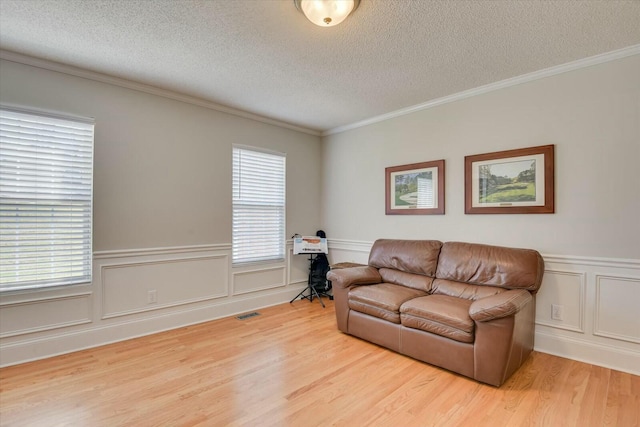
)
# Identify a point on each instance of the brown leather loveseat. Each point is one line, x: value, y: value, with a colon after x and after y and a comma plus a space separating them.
x: 465, y: 307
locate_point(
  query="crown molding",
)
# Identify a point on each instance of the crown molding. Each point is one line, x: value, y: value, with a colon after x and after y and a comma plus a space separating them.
x: 141, y: 87
x: 514, y: 81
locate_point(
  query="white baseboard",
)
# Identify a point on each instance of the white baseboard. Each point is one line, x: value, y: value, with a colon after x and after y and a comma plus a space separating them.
x: 585, y: 351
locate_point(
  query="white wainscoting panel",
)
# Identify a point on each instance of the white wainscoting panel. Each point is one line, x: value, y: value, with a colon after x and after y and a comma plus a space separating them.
x: 192, y: 284
x: 600, y: 300
x: 261, y: 279
x: 567, y: 290
x: 617, y: 311
x: 45, y: 314
x: 126, y: 287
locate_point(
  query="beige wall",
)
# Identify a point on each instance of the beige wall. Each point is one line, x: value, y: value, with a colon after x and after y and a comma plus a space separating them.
x: 163, y: 167
x: 162, y: 216
x: 592, y: 115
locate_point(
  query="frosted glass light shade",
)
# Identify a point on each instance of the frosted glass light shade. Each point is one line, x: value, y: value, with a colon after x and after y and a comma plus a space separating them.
x: 326, y: 13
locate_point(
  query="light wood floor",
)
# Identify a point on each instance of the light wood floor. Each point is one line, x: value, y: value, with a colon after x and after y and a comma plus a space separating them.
x: 291, y: 367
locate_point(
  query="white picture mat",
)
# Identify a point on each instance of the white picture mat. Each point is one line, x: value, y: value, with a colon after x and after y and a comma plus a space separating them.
x: 432, y: 189
x: 539, y: 181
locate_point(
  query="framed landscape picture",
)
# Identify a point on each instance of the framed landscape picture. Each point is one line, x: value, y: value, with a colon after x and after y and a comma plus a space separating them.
x: 513, y: 181
x: 415, y: 189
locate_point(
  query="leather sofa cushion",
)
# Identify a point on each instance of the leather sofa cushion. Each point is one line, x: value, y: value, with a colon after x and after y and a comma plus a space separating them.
x: 410, y: 256
x: 491, y: 265
x: 464, y: 290
x: 382, y: 300
x: 415, y: 281
x: 506, y: 304
x: 442, y: 315
x: 346, y: 277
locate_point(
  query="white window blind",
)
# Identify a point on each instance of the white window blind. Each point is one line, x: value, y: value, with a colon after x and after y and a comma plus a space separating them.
x: 258, y: 206
x: 46, y: 175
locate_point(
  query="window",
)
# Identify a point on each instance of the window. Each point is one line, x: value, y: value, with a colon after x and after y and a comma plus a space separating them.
x: 46, y: 175
x: 258, y: 205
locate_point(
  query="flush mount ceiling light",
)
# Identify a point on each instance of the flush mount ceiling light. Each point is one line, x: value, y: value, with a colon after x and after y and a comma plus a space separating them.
x: 326, y: 13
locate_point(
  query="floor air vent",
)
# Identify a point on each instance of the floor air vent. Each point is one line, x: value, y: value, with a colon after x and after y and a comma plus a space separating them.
x: 247, y: 315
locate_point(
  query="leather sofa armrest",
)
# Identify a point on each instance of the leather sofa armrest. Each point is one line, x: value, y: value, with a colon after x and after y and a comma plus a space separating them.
x: 500, y: 305
x: 345, y: 277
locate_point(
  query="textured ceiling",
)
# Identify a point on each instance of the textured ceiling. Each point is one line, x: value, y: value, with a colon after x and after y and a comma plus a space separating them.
x: 264, y: 57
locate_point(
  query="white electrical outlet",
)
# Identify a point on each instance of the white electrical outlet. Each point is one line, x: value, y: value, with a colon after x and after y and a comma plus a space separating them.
x: 152, y: 297
x: 557, y: 312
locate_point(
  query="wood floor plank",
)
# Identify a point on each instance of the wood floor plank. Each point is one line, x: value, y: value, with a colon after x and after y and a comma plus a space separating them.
x: 290, y: 366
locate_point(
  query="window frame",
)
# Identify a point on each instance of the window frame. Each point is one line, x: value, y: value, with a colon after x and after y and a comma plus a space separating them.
x: 76, y: 208
x: 280, y: 241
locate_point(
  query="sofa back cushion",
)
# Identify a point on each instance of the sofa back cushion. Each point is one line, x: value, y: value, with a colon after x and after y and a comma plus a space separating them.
x: 410, y: 256
x: 464, y: 290
x: 410, y: 280
x: 479, y: 264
